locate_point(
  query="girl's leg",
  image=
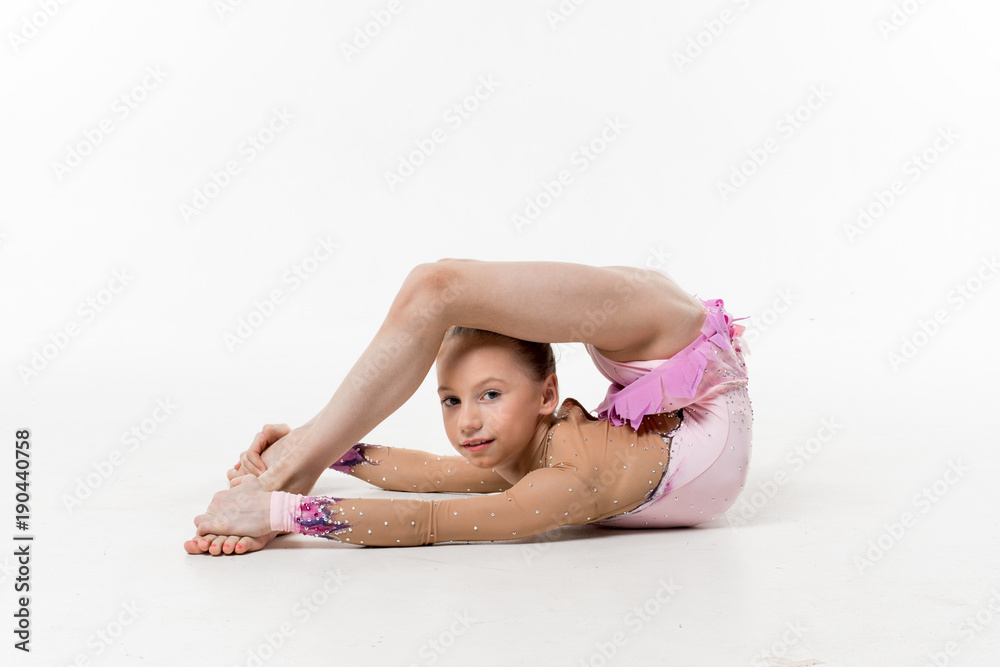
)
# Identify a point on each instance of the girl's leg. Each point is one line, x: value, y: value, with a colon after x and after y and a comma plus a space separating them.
x: 617, y: 309
x: 388, y: 372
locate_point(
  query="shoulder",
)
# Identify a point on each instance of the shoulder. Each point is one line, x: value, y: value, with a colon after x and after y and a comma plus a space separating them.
x: 571, y: 408
x: 566, y: 446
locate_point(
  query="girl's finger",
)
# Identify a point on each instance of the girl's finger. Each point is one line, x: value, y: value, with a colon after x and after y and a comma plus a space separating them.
x: 249, y: 468
x: 259, y: 445
x: 257, y: 461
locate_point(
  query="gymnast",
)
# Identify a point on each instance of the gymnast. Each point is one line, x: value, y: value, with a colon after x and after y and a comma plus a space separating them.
x: 669, y: 445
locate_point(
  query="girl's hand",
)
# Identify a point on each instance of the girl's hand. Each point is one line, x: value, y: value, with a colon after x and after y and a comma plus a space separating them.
x: 271, y: 444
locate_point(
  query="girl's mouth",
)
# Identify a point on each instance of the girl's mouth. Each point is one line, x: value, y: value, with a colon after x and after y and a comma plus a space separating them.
x: 478, y: 446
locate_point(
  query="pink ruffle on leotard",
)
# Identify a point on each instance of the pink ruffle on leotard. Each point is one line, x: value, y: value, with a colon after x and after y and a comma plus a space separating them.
x: 640, y: 388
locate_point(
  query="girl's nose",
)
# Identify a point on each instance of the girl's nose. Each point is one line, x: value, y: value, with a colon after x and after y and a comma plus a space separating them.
x: 469, y: 419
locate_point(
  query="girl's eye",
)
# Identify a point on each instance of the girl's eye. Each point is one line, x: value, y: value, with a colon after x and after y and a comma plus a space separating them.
x: 445, y: 402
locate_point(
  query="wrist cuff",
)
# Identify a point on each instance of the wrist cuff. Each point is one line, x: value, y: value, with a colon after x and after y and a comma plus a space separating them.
x: 351, y: 458
x: 284, y: 509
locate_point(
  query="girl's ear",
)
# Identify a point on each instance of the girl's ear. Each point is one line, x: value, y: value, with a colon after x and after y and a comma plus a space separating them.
x: 550, y: 394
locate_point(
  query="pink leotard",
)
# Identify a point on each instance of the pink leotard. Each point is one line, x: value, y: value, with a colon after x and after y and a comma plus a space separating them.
x: 710, y: 450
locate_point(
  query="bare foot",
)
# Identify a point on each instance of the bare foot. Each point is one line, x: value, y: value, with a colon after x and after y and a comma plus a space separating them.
x: 243, y: 510
x: 222, y: 544
x: 269, y: 446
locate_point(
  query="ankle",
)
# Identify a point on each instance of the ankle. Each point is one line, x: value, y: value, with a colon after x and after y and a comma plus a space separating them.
x: 282, y: 477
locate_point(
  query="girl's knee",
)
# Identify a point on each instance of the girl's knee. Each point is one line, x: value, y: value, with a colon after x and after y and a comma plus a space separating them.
x: 433, y: 291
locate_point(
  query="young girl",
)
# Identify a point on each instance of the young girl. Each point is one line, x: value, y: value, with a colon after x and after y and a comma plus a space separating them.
x: 669, y: 447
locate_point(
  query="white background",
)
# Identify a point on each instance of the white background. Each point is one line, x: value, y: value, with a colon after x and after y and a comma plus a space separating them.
x: 830, y: 302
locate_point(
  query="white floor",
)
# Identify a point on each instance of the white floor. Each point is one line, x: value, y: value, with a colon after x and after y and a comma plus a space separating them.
x: 867, y: 534
x: 816, y: 565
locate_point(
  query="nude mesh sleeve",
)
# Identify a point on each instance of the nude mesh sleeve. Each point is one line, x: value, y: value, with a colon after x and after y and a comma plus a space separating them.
x: 401, y: 469
x: 544, y: 499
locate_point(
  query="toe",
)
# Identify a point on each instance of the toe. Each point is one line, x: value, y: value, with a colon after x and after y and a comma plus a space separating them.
x: 243, y: 546
x: 216, y: 547
x: 198, y: 544
x: 230, y: 544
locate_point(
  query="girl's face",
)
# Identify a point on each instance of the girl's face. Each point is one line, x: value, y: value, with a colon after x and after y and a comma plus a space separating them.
x: 487, y: 395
